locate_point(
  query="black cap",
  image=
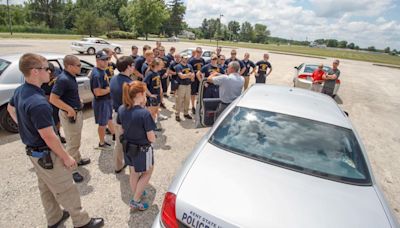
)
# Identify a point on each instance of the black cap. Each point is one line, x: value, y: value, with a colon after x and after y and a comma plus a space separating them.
x: 102, y: 55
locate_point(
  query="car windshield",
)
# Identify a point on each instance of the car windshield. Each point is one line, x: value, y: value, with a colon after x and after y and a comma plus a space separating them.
x: 299, y: 144
x: 312, y: 68
x: 3, y: 65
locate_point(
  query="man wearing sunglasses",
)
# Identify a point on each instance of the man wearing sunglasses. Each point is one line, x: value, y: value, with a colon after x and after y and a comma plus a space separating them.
x: 65, y: 96
x: 234, y: 58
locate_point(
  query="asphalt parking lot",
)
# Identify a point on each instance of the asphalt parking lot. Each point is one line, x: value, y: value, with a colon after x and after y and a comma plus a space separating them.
x: 370, y: 94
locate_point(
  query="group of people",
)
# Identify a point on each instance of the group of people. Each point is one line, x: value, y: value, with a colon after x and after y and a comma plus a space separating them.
x: 324, y: 82
x: 126, y: 105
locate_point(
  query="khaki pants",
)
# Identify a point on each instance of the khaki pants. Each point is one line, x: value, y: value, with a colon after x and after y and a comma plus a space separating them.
x: 183, y: 99
x: 118, y: 154
x: 57, y: 188
x: 246, y: 82
x: 72, y: 133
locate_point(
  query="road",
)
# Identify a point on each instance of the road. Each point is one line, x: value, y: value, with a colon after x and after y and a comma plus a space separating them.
x: 370, y: 94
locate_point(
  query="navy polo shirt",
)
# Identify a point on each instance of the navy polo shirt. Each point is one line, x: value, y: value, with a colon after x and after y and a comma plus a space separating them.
x: 248, y: 64
x: 184, y: 70
x: 136, y: 122
x: 263, y: 66
x: 172, y: 67
x: 166, y: 61
x: 230, y: 60
x: 197, y: 64
x: 153, y: 81
x: 47, y: 87
x: 99, y: 79
x: 139, y: 63
x: 33, y: 113
x: 66, y: 88
x: 208, y: 69
x: 170, y: 57
x: 134, y: 57
x: 116, y: 85
x: 144, y: 68
x: 110, y: 69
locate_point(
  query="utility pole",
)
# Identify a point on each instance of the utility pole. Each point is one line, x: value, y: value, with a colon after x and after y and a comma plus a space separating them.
x: 9, y: 17
x: 219, y: 28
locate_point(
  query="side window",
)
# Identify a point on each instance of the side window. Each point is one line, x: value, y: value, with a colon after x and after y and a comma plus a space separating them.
x: 206, y: 54
x: 98, y: 42
x: 57, y: 66
x: 85, y: 69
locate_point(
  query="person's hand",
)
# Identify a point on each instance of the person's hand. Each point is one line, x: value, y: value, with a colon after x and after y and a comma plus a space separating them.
x: 69, y: 162
x: 71, y: 113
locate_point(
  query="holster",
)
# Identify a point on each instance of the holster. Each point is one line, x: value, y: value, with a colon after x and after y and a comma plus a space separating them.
x: 45, y: 162
x: 43, y: 153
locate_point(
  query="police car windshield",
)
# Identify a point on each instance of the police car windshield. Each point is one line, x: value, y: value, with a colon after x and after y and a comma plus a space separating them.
x: 312, y: 68
x: 299, y: 144
x: 3, y: 65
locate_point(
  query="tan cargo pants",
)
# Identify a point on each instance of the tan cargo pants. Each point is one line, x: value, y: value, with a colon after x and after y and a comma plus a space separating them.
x: 183, y: 99
x: 72, y: 132
x: 57, y: 188
x: 118, y: 154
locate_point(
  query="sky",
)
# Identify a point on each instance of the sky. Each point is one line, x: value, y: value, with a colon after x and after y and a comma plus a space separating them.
x: 363, y: 22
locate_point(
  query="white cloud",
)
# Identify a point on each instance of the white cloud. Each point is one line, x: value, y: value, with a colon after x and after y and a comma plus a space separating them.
x: 330, y: 19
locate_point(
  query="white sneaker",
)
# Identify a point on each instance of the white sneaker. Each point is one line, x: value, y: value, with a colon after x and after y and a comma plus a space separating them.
x: 162, y: 117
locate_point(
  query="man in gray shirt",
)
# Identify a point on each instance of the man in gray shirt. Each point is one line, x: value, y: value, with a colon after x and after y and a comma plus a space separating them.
x: 230, y: 86
x: 330, y: 79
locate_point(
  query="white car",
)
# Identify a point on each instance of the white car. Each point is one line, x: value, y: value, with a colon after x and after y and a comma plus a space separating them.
x: 302, y: 76
x: 206, y: 53
x: 173, y: 39
x: 277, y: 157
x: 91, y: 45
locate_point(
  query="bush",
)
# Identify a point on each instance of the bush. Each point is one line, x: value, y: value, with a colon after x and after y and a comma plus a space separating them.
x: 121, y: 35
x: 34, y: 29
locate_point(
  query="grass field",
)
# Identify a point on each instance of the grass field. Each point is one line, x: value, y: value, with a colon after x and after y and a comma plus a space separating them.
x: 40, y: 36
x: 325, y: 52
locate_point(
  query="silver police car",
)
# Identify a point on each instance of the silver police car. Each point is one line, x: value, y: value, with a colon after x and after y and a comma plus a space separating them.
x: 277, y: 157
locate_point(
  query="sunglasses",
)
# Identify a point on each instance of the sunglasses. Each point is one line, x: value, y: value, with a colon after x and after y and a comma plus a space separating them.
x: 42, y: 68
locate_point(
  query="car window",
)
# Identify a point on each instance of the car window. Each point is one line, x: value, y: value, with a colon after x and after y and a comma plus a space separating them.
x: 300, y: 67
x: 206, y: 54
x: 3, y: 65
x: 299, y: 144
x: 312, y: 68
x: 84, y: 39
x: 103, y: 42
x: 85, y: 69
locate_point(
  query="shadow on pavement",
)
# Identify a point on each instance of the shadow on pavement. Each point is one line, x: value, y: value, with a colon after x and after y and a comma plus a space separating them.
x: 106, y: 160
x: 84, y: 187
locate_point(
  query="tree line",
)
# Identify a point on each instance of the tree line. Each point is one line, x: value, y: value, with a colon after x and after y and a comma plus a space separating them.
x: 96, y: 17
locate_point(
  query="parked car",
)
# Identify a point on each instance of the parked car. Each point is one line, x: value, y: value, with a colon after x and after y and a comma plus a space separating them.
x: 173, y: 39
x: 277, y: 157
x: 302, y: 76
x: 11, y: 77
x: 206, y: 53
x: 91, y: 45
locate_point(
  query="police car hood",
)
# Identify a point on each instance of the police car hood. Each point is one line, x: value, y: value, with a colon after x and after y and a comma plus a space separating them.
x: 223, y: 189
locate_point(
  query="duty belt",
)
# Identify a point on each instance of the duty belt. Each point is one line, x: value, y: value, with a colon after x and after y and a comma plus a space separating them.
x: 37, y: 152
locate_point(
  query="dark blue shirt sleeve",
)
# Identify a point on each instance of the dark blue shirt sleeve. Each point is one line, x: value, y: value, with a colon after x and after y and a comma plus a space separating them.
x: 204, y: 69
x: 252, y: 64
x: 42, y: 116
x: 95, y: 80
x: 149, y: 124
x: 59, y: 87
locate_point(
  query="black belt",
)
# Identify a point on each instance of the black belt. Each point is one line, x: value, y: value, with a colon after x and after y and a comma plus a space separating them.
x: 37, y: 151
x: 101, y: 98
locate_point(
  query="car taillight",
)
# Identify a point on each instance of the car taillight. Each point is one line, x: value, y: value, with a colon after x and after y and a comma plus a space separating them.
x: 302, y: 76
x: 337, y: 81
x: 168, y: 215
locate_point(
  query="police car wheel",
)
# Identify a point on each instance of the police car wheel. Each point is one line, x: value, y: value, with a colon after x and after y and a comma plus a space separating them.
x: 91, y: 51
x: 117, y: 50
x: 6, y: 122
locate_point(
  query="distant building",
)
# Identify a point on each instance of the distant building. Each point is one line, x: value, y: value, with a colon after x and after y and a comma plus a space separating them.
x: 187, y: 35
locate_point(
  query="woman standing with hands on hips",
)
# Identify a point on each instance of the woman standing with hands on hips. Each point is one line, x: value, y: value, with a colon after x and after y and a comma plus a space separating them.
x: 138, y: 134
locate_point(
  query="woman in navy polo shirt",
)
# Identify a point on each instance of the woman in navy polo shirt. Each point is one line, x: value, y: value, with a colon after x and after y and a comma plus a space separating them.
x: 138, y: 131
x: 153, y: 81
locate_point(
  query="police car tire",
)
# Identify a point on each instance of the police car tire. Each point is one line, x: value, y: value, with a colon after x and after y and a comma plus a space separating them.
x: 6, y: 122
x: 91, y: 51
x: 117, y: 50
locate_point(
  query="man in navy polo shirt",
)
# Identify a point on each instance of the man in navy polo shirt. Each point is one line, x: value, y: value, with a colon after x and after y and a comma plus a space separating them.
x: 125, y: 66
x: 211, y: 90
x: 65, y: 96
x: 52, y: 164
x: 139, y: 63
x: 197, y: 62
x: 233, y: 58
x: 262, y: 69
x: 248, y: 64
x: 134, y: 54
x: 102, y: 107
x: 186, y: 77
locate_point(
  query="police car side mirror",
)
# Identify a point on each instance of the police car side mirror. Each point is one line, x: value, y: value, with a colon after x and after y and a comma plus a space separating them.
x: 296, y: 67
x: 347, y: 114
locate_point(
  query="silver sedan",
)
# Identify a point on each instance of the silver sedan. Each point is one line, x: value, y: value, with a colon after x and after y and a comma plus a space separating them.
x: 277, y: 157
x: 11, y: 77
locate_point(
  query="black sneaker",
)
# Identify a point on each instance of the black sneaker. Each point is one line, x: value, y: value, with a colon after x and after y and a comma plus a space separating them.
x: 64, y: 217
x: 177, y: 118
x: 77, y: 177
x: 166, y: 96
x: 84, y: 161
x: 187, y: 116
x: 105, y: 145
x: 113, y: 137
x: 108, y: 132
x: 193, y: 110
x: 94, y: 223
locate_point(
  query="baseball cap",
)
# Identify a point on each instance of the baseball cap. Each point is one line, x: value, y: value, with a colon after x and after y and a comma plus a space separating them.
x: 184, y: 56
x: 214, y: 56
x: 102, y: 55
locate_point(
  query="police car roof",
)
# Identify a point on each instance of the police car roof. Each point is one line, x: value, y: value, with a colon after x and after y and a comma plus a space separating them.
x: 16, y: 56
x: 296, y: 102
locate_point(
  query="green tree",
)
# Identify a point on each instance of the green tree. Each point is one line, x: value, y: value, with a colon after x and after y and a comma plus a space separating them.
x: 246, y: 32
x: 87, y: 22
x: 48, y: 11
x: 320, y: 41
x: 175, y: 23
x: 351, y: 46
x: 261, y: 33
x: 332, y: 43
x: 112, y: 7
x: 205, y: 29
x: 70, y: 12
x: 342, y: 44
x: 387, y: 50
x: 371, y: 48
x: 148, y: 16
x: 234, y: 27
